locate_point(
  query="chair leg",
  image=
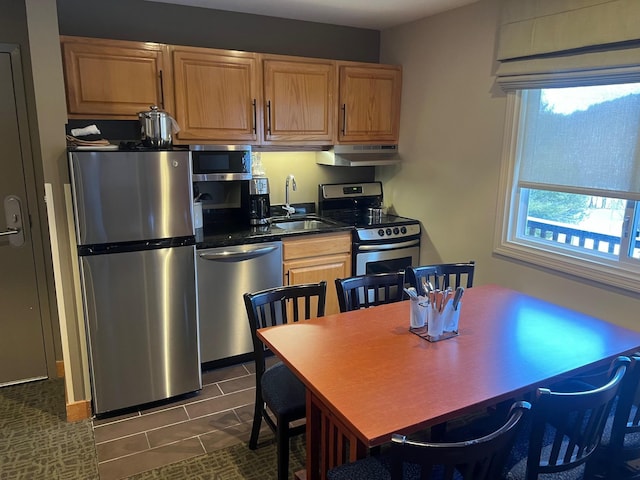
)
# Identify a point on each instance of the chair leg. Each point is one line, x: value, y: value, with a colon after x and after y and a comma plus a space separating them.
x: 257, y: 423
x: 282, y: 443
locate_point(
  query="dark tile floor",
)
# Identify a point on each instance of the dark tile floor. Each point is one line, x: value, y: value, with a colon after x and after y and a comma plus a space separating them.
x: 219, y: 416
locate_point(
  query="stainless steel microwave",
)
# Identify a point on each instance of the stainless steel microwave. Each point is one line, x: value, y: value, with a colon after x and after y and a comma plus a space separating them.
x: 220, y: 162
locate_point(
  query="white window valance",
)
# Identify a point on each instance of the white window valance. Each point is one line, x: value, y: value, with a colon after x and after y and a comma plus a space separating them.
x: 568, y: 39
x: 538, y: 27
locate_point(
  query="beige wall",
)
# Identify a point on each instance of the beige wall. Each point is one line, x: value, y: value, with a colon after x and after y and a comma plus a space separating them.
x: 308, y: 174
x: 451, y: 134
x: 48, y: 86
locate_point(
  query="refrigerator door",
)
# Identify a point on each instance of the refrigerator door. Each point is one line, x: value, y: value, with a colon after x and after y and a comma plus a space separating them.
x: 142, y: 326
x: 131, y: 196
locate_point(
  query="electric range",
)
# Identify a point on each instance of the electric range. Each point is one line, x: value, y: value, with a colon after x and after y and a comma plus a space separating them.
x: 381, y: 242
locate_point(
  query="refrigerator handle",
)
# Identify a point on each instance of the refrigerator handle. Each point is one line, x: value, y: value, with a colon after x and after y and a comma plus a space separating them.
x: 227, y: 256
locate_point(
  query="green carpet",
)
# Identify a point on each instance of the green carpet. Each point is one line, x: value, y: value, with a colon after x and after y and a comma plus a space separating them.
x: 36, y: 442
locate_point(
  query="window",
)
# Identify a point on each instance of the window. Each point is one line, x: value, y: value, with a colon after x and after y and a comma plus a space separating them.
x: 571, y: 177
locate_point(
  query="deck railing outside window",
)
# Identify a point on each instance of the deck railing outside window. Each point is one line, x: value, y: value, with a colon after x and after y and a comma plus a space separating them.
x: 559, y: 233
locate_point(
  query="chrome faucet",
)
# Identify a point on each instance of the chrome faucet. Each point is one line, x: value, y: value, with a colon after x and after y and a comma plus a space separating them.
x: 288, y: 208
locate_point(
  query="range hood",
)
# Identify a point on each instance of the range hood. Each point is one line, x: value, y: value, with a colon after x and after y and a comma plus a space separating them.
x: 359, y: 155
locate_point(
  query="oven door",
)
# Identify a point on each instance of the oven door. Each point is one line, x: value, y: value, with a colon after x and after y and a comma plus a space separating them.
x: 389, y: 257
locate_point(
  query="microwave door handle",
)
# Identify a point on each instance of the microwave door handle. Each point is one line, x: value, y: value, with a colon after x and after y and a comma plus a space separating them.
x: 227, y: 256
x: 392, y: 246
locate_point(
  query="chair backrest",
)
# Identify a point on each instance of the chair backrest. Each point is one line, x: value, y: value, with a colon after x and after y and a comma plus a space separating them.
x: 441, y: 276
x: 415, y: 276
x: 568, y: 425
x: 281, y: 305
x: 366, y: 291
x: 626, y: 419
x: 476, y: 459
x: 454, y: 274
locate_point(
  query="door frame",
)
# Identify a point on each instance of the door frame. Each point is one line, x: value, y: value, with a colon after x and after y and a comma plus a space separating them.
x: 36, y: 211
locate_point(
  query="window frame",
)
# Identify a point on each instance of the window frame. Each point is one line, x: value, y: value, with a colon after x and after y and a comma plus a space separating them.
x: 622, y: 274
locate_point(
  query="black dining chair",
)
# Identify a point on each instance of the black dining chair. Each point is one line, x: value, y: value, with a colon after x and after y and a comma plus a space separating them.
x: 278, y: 390
x: 620, y: 442
x: 416, y: 277
x: 441, y: 276
x: 364, y: 291
x: 480, y: 458
x: 566, y: 428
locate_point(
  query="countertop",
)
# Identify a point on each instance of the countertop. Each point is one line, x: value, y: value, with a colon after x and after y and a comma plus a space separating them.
x: 224, y: 235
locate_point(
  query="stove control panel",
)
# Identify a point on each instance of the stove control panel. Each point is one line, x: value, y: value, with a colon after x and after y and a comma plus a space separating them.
x: 388, y: 232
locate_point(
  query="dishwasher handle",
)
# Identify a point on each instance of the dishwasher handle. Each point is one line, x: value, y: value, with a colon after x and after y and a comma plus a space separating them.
x: 231, y: 256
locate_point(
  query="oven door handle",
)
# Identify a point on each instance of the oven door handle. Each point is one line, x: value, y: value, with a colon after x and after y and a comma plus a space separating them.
x: 393, y: 246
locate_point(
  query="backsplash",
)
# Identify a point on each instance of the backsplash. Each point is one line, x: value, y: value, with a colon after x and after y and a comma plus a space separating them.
x: 308, y: 174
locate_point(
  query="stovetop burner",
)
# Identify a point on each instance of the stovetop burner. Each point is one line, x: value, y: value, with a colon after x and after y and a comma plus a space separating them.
x: 362, y: 219
x: 352, y: 203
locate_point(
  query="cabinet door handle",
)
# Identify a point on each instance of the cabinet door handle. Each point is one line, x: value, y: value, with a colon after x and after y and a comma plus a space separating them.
x: 269, y: 117
x: 255, y: 117
x: 344, y: 118
x: 162, y: 91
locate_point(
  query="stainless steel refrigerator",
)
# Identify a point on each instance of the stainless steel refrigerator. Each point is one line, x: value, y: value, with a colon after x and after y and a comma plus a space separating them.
x: 136, y: 248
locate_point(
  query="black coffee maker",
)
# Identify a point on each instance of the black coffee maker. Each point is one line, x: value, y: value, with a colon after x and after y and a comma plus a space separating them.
x: 258, y: 201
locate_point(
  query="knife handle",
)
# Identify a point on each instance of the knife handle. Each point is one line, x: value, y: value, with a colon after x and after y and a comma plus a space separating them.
x: 457, y: 297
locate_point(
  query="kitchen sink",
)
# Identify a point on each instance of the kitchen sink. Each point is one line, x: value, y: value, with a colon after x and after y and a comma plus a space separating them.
x: 304, y: 223
x: 300, y: 224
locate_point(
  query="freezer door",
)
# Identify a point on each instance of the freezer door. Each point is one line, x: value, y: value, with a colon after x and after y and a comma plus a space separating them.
x: 142, y: 326
x: 131, y: 196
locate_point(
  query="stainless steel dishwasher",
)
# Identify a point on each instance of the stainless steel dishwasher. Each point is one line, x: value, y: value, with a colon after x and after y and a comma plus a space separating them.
x: 224, y: 274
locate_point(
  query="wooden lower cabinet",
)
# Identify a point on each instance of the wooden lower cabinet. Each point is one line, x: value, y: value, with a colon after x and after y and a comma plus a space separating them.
x: 310, y: 259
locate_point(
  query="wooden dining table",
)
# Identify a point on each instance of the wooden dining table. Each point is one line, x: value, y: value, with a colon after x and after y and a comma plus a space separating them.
x: 368, y: 376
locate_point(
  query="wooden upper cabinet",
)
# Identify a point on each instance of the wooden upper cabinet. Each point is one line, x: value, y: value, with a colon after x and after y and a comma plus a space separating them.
x: 229, y: 96
x: 114, y: 79
x: 216, y: 95
x: 370, y: 96
x: 299, y: 100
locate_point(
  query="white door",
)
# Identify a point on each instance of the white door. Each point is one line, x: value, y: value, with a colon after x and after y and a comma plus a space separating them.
x: 22, y: 344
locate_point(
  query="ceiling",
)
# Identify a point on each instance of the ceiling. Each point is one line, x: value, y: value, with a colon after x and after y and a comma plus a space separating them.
x: 372, y: 14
